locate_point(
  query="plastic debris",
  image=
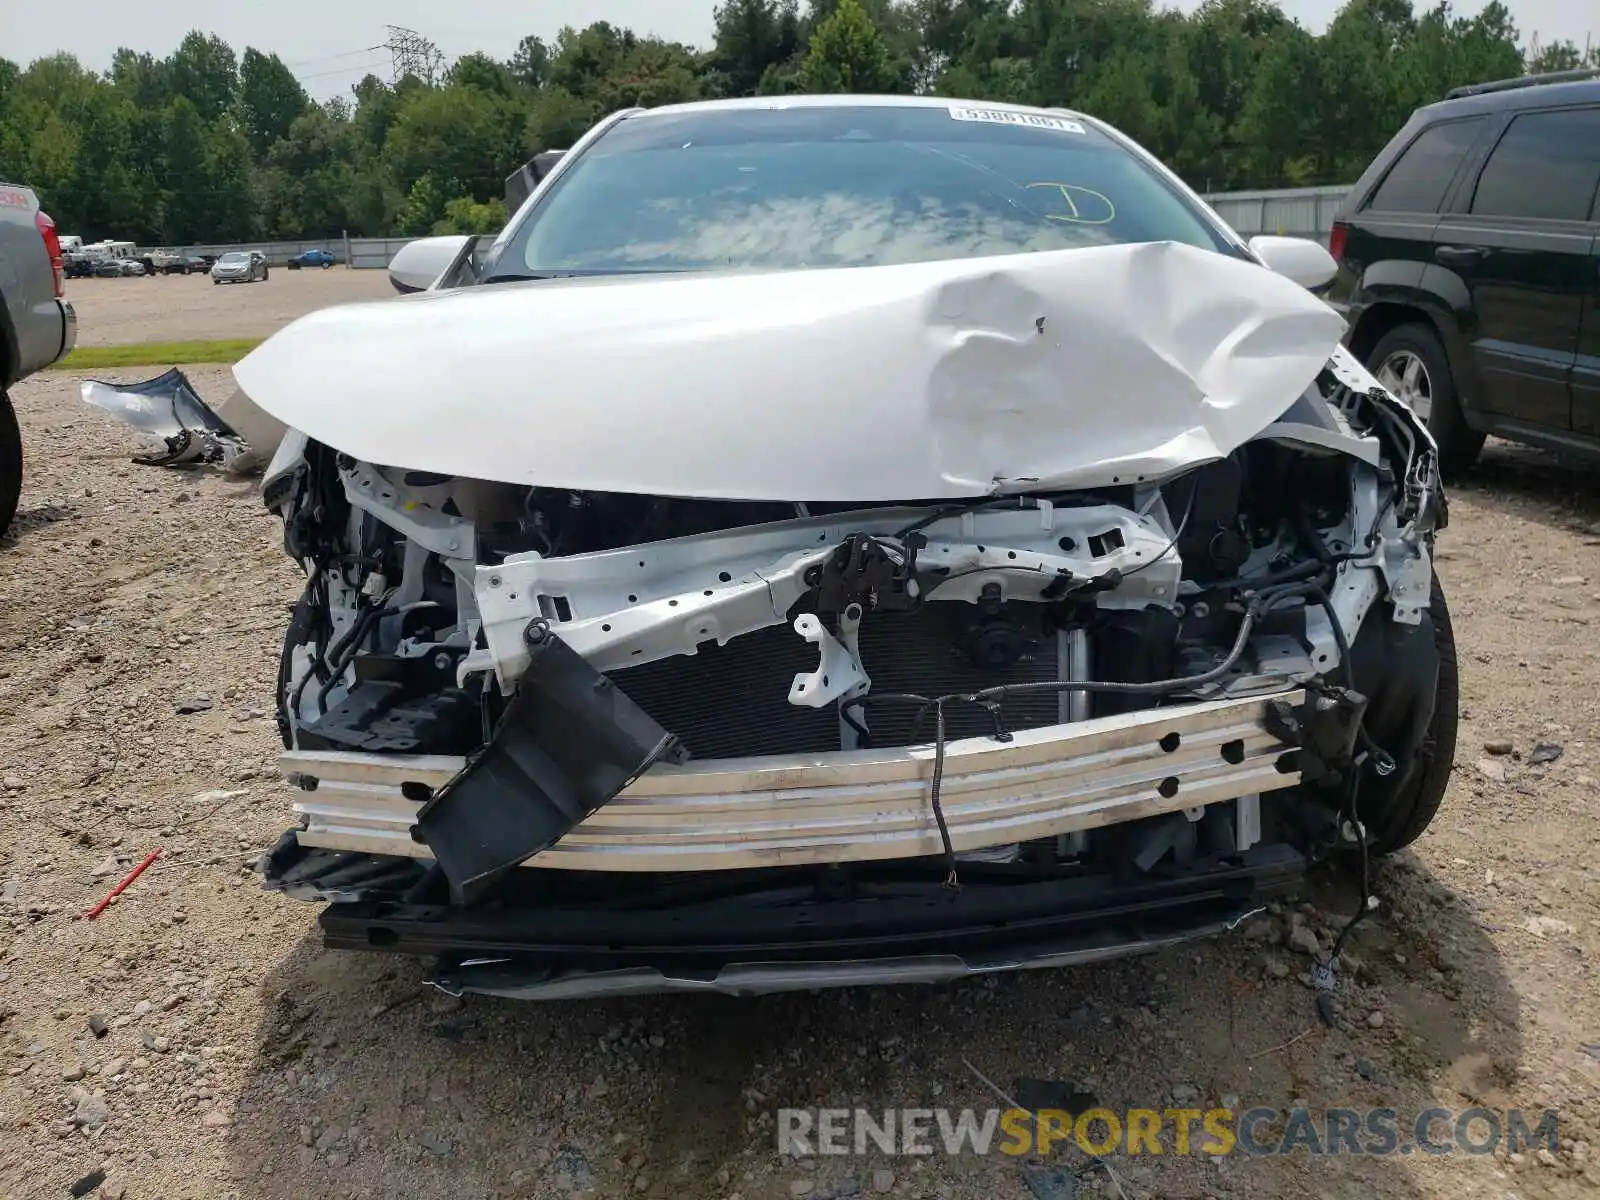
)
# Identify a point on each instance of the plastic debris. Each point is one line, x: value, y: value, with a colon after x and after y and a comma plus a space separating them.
x: 126, y: 880
x: 88, y: 1183
x: 182, y: 428
x: 1050, y: 1183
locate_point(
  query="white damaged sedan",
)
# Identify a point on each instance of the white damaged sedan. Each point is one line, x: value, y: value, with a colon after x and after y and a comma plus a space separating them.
x: 831, y: 540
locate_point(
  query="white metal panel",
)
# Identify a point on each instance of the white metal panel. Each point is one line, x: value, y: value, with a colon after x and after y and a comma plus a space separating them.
x: 1024, y: 372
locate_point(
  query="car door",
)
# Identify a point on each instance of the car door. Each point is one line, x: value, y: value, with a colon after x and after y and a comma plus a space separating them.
x: 1520, y: 242
x: 1388, y: 235
x: 1586, y: 366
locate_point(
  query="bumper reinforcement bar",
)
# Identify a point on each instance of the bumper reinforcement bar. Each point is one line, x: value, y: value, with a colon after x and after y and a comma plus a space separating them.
x: 851, y: 806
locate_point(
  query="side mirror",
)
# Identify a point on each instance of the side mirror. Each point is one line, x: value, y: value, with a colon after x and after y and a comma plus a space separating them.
x: 1306, y: 262
x: 416, y: 265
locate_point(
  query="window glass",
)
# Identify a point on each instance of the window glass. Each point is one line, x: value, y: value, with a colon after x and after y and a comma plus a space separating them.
x: 1545, y: 166
x: 1418, y: 179
x: 842, y: 186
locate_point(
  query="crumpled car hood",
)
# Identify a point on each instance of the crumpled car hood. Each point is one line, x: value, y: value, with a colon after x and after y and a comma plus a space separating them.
x: 1066, y: 369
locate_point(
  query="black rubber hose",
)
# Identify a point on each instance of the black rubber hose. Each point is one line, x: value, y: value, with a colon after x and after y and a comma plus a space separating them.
x: 345, y: 649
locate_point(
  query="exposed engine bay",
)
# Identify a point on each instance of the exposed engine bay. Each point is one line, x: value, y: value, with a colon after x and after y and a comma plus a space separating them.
x: 1081, y: 720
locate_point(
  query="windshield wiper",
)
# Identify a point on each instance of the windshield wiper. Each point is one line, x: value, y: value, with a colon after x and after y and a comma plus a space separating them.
x: 529, y: 278
x: 583, y: 273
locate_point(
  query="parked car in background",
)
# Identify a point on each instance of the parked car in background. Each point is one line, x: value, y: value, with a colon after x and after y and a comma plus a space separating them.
x: 240, y: 266
x: 107, y: 268
x: 37, y: 324
x: 132, y: 266
x: 1090, y: 526
x: 77, y: 266
x: 312, y: 258
x: 182, y: 264
x: 1470, y: 265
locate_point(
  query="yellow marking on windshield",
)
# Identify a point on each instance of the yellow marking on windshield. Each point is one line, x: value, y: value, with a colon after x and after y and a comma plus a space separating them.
x: 1085, y: 206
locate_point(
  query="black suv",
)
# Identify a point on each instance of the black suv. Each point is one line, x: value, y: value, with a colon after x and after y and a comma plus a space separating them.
x: 1469, y: 265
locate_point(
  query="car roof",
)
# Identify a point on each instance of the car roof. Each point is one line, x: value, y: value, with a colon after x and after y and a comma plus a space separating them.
x: 1517, y: 95
x: 846, y: 100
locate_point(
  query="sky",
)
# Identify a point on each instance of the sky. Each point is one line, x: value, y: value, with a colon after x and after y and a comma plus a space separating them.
x: 329, y: 45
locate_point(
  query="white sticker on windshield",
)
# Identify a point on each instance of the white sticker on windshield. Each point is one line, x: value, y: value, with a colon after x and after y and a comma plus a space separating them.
x: 1000, y: 116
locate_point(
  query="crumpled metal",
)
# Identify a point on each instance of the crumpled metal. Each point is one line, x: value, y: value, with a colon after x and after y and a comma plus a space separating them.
x: 1058, y: 370
x: 181, y: 427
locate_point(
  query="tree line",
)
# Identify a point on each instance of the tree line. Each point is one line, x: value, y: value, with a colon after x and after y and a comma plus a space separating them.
x: 208, y: 146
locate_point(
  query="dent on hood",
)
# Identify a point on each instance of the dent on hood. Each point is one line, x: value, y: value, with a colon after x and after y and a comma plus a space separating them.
x: 1072, y: 368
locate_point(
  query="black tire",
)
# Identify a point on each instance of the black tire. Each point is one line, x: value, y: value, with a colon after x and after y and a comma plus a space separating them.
x: 300, y: 629
x: 1396, y: 819
x: 10, y: 463
x: 1459, y: 443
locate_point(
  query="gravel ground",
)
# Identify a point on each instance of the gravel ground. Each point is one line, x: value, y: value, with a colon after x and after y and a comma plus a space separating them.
x: 172, y: 308
x: 240, y: 1059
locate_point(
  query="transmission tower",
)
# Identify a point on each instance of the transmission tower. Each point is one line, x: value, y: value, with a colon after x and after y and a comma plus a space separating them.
x: 413, y: 54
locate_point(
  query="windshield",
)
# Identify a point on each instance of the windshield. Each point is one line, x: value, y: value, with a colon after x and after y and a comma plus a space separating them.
x: 234, y: 258
x: 842, y: 187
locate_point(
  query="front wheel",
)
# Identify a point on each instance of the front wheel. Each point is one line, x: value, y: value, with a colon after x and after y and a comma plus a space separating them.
x: 10, y: 463
x: 1410, y: 361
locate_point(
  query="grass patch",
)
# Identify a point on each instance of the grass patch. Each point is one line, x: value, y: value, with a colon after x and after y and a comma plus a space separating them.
x: 157, y: 354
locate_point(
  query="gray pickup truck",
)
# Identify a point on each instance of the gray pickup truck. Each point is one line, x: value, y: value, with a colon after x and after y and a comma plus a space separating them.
x: 37, y: 325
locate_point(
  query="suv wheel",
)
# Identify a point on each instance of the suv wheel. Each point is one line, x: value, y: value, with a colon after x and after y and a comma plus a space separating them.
x: 1410, y: 361
x: 10, y: 463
